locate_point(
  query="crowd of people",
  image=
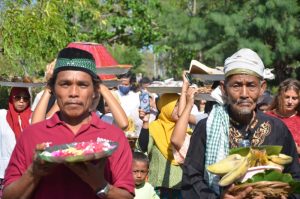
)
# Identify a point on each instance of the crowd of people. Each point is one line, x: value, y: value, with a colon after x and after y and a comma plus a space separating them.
x: 162, y: 152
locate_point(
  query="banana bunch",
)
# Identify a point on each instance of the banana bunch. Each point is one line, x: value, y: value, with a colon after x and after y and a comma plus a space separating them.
x: 226, y: 165
x: 280, y: 159
x: 235, y: 166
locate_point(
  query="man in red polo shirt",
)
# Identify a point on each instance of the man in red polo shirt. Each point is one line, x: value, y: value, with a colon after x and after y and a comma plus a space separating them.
x: 75, y: 84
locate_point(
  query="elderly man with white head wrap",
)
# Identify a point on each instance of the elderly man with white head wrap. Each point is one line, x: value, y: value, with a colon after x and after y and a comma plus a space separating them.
x: 233, y: 124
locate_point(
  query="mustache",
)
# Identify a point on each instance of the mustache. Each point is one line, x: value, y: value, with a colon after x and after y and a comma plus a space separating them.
x: 241, y: 101
x: 73, y: 102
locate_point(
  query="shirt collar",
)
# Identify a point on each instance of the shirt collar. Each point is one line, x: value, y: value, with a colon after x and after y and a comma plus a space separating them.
x: 95, y: 121
x: 252, y: 125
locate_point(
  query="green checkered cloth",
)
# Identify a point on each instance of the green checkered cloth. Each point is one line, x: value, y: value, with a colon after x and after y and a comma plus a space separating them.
x: 217, y: 142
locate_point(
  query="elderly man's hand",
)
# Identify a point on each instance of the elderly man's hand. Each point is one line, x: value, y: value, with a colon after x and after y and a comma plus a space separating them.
x: 227, y: 194
x: 91, y: 172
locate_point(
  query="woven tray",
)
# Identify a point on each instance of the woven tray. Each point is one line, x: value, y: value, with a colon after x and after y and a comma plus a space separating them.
x: 267, y: 189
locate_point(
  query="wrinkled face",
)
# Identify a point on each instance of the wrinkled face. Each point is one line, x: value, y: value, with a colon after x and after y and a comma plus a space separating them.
x: 74, y: 91
x: 140, y: 171
x: 242, y: 92
x: 21, y: 101
x: 290, y: 100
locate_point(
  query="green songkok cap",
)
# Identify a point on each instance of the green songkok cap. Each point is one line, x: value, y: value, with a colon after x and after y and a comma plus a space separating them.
x: 75, y: 59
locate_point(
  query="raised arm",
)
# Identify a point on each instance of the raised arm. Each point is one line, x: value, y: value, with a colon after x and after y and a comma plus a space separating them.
x: 143, y: 139
x: 39, y: 113
x: 179, y: 132
x: 182, y: 99
x: 52, y: 110
x: 116, y: 109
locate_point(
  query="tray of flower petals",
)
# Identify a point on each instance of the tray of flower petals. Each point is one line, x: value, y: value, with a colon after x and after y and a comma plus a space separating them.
x: 78, y: 151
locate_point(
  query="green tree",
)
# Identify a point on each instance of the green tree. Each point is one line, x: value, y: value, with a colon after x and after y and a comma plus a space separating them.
x: 213, y: 30
x: 32, y: 32
x: 131, y: 22
x: 126, y: 55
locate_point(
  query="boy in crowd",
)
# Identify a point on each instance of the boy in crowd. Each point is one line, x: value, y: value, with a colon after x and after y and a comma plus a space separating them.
x: 140, y: 169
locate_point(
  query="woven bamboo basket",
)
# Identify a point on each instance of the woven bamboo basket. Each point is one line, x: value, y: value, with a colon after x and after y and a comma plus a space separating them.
x: 267, y: 189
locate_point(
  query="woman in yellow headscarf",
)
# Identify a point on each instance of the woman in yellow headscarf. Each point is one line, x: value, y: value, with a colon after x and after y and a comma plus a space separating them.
x: 155, y: 139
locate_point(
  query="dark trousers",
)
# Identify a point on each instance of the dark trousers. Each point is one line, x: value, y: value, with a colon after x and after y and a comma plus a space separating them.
x: 167, y: 193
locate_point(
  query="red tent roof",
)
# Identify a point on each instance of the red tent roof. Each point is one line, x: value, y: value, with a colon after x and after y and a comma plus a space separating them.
x: 102, y: 57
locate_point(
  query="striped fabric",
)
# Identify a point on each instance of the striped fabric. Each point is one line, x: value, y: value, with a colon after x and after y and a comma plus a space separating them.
x: 217, y: 141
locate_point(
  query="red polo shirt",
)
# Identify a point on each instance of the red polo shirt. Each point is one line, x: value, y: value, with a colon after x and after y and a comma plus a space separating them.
x: 63, y: 183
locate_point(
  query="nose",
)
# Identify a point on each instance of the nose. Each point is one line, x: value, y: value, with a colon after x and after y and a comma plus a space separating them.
x: 244, y: 92
x: 139, y: 174
x: 74, y: 91
x: 289, y: 100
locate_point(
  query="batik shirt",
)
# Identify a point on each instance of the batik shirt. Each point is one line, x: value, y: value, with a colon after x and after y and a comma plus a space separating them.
x: 264, y: 130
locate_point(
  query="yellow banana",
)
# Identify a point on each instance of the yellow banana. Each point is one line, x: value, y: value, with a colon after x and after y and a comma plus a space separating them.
x: 257, y: 157
x: 236, y: 173
x: 235, y: 166
x: 270, y: 163
x: 226, y: 165
x: 281, y: 159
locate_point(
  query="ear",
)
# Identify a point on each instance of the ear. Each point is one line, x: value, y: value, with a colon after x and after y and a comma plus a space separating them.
x: 223, y: 89
x: 263, y: 87
x: 96, y: 95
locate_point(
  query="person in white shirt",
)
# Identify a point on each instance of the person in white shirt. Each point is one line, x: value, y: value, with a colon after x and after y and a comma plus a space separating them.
x: 130, y: 102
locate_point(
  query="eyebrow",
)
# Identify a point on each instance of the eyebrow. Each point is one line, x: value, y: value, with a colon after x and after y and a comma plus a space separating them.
x: 77, y: 81
x: 247, y: 82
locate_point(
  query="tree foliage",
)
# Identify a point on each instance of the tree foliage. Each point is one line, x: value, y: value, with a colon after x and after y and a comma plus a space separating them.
x: 32, y: 32
x: 126, y: 54
x: 131, y: 22
x: 215, y: 29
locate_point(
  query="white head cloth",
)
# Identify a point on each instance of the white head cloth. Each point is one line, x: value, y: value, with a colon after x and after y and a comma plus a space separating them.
x: 217, y: 95
x: 244, y: 61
